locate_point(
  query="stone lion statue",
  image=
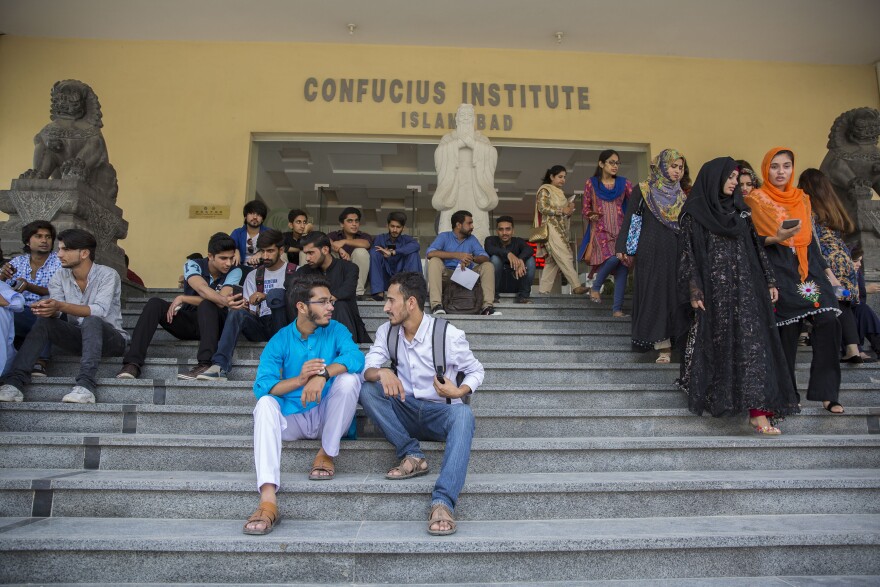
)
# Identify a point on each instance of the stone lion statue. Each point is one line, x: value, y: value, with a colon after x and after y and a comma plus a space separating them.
x: 72, y: 145
x: 853, y: 160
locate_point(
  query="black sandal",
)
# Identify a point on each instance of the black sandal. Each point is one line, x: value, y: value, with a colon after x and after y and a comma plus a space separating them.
x: 832, y: 405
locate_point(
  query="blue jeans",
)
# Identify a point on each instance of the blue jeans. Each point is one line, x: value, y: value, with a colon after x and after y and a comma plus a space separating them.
x: 405, y: 423
x: 240, y: 322
x: 620, y: 273
x: 506, y: 282
x: 24, y: 321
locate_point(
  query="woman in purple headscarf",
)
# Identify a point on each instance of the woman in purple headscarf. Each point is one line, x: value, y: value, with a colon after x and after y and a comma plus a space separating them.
x: 658, y: 201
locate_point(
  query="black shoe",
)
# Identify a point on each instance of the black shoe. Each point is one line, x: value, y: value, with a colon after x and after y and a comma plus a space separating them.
x: 438, y: 309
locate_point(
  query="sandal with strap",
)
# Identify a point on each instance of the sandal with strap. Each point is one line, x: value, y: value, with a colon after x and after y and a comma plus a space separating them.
x: 266, y: 512
x: 441, y: 513
x: 408, y: 468
x: 322, y: 464
x: 830, y: 407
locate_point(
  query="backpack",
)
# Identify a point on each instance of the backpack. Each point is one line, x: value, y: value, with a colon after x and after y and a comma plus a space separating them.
x: 438, y: 347
x: 260, y: 279
x: 458, y: 299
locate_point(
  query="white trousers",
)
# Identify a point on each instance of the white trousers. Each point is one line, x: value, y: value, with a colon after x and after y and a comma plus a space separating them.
x: 329, y: 421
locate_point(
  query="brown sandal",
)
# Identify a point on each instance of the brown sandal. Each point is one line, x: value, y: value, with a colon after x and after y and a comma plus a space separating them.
x: 266, y: 512
x: 322, y: 463
x: 441, y: 513
x: 408, y: 468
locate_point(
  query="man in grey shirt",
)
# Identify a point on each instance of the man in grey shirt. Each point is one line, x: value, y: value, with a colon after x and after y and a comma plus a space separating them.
x: 88, y: 295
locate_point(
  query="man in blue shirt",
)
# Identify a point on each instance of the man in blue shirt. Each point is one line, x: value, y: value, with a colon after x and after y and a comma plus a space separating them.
x: 454, y: 248
x: 307, y: 386
x: 392, y: 253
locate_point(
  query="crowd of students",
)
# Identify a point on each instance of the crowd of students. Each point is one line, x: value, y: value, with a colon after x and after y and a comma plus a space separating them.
x: 729, y: 269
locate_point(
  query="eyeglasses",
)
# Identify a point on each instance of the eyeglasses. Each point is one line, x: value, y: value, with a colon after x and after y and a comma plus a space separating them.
x: 613, y: 163
x: 321, y: 302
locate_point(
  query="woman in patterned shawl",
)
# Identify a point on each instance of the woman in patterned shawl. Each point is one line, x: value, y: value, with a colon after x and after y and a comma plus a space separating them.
x: 605, y: 198
x: 832, y: 221
x: 733, y: 359
x: 805, y: 283
x: 658, y: 201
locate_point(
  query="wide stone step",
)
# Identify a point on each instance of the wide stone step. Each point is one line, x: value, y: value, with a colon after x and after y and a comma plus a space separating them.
x: 550, y: 373
x: 490, y: 423
x: 115, y: 550
x: 371, y: 497
x: 488, y: 455
x: 240, y: 393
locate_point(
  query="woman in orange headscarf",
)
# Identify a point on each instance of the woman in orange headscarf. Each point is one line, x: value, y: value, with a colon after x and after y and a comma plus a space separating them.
x: 782, y: 217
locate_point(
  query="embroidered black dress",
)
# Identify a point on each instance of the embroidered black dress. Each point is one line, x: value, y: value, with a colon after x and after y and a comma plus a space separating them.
x: 733, y: 359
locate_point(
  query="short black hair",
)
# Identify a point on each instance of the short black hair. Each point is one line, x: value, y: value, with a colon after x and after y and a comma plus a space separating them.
x: 221, y: 242
x: 459, y: 217
x: 270, y: 237
x: 411, y: 284
x: 301, y: 288
x: 255, y: 207
x: 31, y: 228
x: 317, y: 238
x: 78, y: 239
x: 347, y: 211
x: 504, y: 219
x: 396, y: 217
x: 295, y: 213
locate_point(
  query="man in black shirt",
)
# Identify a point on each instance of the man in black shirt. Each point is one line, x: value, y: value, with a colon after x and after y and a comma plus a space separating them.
x: 514, y: 261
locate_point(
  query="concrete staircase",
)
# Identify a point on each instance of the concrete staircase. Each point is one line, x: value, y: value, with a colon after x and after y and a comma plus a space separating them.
x: 587, y: 467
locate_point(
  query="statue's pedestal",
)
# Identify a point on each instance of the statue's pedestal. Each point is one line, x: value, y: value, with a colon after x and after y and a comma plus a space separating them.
x: 66, y: 203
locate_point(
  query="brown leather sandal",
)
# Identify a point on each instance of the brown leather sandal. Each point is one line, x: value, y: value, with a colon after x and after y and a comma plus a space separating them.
x: 322, y: 463
x: 441, y: 513
x: 408, y: 468
x: 266, y: 512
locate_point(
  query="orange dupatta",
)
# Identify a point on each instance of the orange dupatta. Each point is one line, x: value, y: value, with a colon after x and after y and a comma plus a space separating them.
x: 770, y: 206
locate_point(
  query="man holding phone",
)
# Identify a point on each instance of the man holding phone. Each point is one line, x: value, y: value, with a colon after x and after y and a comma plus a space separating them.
x: 198, y: 314
x: 412, y: 403
x: 392, y: 253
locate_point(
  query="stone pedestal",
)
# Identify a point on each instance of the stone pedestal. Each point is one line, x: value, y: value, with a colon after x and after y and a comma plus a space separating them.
x: 66, y: 203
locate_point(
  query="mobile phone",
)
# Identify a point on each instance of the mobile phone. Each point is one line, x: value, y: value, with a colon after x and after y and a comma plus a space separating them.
x: 790, y: 223
x: 440, y: 377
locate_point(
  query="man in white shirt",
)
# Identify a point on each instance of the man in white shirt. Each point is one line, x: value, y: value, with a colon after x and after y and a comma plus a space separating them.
x: 256, y: 322
x: 413, y: 404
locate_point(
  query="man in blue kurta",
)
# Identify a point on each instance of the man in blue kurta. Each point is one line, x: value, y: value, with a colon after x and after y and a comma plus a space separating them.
x: 307, y: 386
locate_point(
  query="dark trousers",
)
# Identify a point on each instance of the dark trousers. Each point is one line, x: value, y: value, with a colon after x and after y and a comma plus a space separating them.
x: 825, y: 366
x: 24, y: 321
x: 92, y: 339
x: 848, y: 329
x: 242, y: 322
x: 203, y: 323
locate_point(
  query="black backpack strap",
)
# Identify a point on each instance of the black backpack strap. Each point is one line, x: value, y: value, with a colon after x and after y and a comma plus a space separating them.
x: 393, y: 335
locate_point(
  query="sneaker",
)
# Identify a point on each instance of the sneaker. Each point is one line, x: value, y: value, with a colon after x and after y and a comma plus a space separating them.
x: 39, y: 369
x: 10, y: 393
x: 79, y: 395
x: 194, y: 372
x: 129, y: 371
x: 438, y: 309
x: 212, y: 373
x: 489, y: 311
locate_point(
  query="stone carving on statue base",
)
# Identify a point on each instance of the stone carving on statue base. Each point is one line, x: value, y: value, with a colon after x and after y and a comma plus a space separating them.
x: 72, y: 183
x: 66, y: 203
x: 465, y: 161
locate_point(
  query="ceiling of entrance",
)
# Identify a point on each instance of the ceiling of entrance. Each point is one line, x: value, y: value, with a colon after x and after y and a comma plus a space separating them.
x: 812, y: 31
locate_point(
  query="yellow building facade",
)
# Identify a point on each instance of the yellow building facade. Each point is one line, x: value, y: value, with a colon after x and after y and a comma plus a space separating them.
x: 181, y: 118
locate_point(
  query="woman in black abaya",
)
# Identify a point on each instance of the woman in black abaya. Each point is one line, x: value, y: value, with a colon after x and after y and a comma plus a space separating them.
x: 733, y: 359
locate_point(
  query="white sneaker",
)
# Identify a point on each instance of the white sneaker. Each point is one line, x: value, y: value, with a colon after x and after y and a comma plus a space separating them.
x: 79, y: 395
x: 10, y: 393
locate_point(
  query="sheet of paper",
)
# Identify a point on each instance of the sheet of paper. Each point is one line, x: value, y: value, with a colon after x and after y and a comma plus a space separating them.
x: 465, y: 277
